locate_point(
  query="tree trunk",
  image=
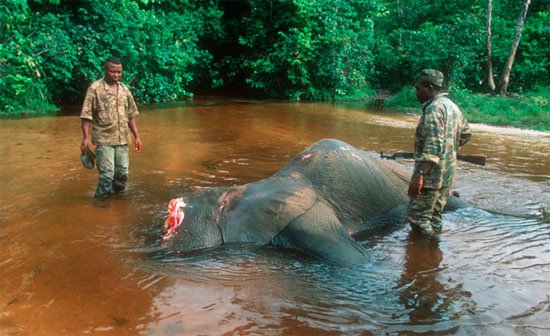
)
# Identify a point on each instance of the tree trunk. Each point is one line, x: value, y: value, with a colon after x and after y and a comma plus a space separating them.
x: 505, y: 76
x: 490, y: 76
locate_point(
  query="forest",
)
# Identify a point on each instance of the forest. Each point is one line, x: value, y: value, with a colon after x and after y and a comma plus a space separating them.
x: 495, y: 53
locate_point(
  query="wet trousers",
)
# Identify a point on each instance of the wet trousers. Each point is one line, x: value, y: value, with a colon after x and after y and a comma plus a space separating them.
x: 112, y: 163
x: 424, y: 211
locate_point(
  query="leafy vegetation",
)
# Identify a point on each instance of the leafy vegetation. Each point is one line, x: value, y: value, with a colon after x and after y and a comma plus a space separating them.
x: 529, y: 111
x: 51, y: 50
x: 23, y: 88
x: 317, y: 49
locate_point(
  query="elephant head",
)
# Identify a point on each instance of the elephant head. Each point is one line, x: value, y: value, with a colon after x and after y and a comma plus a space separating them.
x: 193, y: 221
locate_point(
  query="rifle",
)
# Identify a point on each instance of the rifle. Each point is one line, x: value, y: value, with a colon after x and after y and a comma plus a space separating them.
x: 472, y: 158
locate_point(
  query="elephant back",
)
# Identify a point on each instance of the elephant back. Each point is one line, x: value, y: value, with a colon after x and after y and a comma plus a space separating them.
x: 362, y: 188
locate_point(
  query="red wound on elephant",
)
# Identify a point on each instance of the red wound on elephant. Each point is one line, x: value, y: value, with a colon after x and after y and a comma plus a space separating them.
x: 175, y: 216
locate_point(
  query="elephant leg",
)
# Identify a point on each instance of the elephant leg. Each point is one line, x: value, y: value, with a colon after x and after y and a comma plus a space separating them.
x: 319, y: 232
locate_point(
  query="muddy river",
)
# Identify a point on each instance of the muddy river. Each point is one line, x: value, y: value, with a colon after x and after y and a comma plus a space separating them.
x: 73, y: 265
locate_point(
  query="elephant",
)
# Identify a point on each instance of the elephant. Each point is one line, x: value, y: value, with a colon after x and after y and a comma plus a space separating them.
x: 317, y: 203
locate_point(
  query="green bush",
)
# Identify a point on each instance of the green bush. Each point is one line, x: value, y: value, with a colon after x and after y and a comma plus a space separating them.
x: 309, y: 49
x: 404, y: 100
x: 51, y: 51
x: 24, y: 87
x: 531, y: 110
x: 159, y: 44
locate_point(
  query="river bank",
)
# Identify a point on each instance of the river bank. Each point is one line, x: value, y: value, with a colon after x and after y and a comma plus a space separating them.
x: 528, y: 111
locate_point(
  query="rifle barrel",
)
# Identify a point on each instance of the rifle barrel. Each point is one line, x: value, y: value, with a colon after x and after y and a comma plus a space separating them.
x: 472, y: 158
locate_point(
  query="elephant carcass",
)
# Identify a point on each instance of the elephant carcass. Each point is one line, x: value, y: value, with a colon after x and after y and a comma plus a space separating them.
x: 324, y: 196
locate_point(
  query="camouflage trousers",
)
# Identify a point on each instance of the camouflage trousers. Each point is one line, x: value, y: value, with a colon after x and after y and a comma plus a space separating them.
x: 424, y: 211
x: 112, y: 163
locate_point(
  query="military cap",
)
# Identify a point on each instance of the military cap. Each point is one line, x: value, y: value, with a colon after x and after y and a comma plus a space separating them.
x: 431, y: 76
x: 88, y: 158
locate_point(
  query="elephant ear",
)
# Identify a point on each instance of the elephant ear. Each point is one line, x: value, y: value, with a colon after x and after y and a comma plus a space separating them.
x: 319, y: 233
x: 265, y: 208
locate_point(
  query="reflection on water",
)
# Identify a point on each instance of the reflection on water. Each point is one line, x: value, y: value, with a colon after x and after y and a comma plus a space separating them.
x: 72, y: 265
x: 421, y: 289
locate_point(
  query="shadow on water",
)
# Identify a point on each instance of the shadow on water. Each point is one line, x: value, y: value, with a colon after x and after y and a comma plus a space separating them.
x: 71, y: 265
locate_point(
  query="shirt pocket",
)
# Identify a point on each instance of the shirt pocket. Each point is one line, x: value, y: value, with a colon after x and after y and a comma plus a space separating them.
x: 104, y: 112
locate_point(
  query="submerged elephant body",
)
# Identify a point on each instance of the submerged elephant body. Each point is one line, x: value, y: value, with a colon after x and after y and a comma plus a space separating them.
x: 316, y: 203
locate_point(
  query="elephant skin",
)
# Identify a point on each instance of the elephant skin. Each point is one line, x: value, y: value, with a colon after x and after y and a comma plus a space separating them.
x: 323, y: 197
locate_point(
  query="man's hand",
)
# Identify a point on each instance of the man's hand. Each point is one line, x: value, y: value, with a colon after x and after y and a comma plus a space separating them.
x: 86, y: 124
x: 415, y: 185
x: 84, y: 145
x: 137, y: 143
x: 132, y: 124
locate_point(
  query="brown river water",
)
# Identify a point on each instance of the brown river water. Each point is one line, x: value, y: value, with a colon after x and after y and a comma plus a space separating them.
x: 72, y: 265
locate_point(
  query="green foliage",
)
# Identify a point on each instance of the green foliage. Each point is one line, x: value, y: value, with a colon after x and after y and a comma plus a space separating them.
x: 531, y: 110
x: 413, y: 35
x: 404, y: 100
x: 159, y: 45
x: 23, y: 87
x: 315, y: 49
x: 533, y: 61
x: 450, y: 36
x: 51, y: 50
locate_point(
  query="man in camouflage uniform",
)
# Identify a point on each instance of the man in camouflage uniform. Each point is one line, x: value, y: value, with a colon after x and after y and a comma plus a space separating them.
x: 109, y: 108
x: 441, y: 130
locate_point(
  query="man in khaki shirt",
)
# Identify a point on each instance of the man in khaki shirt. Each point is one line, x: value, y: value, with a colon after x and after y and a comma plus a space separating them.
x: 109, y: 108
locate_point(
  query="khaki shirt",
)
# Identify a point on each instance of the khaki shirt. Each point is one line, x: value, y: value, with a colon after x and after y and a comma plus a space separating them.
x: 109, y: 113
x: 441, y: 130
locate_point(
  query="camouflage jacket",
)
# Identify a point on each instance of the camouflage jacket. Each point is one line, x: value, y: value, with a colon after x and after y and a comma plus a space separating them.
x: 441, y: 130
x: 109, y: 113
